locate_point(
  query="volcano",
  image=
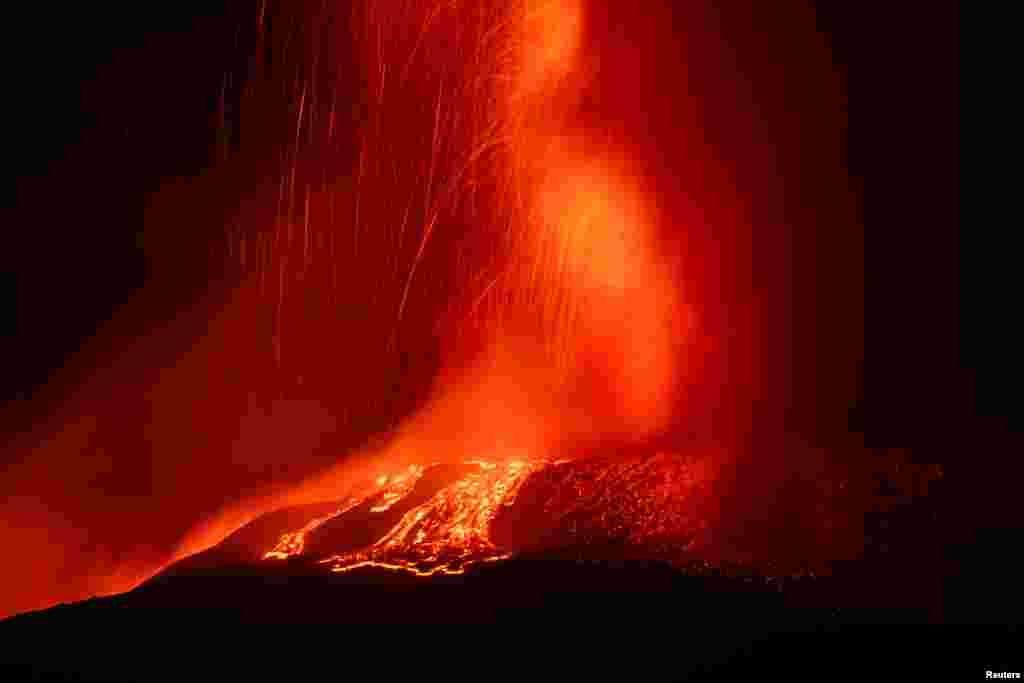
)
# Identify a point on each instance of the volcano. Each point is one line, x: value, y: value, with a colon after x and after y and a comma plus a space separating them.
x: 634, y: 546
x: 547, y: 316
x: 635, y: 522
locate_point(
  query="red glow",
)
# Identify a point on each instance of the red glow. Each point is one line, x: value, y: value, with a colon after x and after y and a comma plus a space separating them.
x: 657, y: 501
x: 509, y: 238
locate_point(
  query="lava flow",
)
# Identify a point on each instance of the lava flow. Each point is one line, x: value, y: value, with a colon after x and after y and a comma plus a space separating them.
x: 444, y: 535
x: 650, y: 504
x: 640, y: 504
x: 572, y: 328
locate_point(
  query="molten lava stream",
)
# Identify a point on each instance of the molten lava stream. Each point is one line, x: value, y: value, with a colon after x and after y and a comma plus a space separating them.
x: 445, y: 535
x: 650, y: 506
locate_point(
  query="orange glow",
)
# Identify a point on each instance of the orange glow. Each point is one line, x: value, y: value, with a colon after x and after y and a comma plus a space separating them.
x: 658, y: 501
x: 551, y: 42
x: 577, y: 337
x: 451, y: 531
x: 455, y: 231
x: 387, y: 490
x: 444, y: 535
x: 593, y: 221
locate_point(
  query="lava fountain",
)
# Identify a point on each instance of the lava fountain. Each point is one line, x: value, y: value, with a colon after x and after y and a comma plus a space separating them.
x: 503, y: 237
x: 564, y: 332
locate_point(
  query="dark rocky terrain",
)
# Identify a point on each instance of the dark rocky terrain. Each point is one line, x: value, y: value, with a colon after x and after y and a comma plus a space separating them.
x: 739, y: 616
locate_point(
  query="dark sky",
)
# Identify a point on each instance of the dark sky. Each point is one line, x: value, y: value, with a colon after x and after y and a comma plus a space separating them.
x: 106, y: 105
x: 103, y: 106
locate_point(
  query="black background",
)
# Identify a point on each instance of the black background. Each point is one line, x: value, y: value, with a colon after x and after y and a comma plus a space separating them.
x: 105, y: 104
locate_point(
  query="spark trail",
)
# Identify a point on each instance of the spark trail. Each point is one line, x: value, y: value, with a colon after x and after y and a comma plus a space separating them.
x: 489, y: 262
x: 479, y: 210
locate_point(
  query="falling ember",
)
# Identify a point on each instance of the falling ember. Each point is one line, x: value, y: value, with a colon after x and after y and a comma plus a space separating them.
x: 459, y: 230
x: 563, y: 330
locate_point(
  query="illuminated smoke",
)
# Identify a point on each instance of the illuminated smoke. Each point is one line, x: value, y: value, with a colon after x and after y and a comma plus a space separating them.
x: 440, y: 253
x: 473, y: 225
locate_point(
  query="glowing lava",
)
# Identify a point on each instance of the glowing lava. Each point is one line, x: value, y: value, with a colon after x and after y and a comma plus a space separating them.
x: 651, y: 502
x: 445, y: 535
x: 388, y: 490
